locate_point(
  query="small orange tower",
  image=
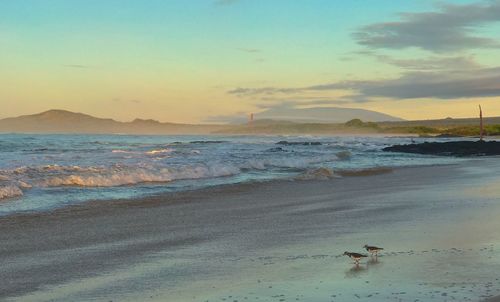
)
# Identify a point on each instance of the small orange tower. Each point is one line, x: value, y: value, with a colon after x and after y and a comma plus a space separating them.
x: 481, y: 131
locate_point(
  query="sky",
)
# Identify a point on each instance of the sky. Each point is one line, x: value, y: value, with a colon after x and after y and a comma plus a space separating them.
x: 202, y: 61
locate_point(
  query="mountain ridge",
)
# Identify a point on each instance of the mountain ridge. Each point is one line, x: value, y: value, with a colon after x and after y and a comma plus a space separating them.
x: 64, y: 121
x: 319, y: 114
x: 324, y: 114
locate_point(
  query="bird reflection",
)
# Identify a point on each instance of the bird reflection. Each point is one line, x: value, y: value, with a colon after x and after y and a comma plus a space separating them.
x: 374, y: 261
x: 356, y: 270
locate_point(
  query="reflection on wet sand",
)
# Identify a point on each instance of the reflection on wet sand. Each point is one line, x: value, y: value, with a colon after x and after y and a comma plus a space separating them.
x: 374, y: 261
x: 356, y: 270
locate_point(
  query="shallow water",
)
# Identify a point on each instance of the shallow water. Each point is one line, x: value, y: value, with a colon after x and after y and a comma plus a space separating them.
x: 41, y: 172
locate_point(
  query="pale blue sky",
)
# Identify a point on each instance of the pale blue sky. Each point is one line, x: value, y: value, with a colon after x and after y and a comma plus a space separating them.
x: 183, y: 61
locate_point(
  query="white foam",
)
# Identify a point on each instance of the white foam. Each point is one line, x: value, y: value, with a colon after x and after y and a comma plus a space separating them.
x: 9, y: 191
x: 121, y: 151
x: 119, y: 176
x: 141, y: 172
x: 159, y: 151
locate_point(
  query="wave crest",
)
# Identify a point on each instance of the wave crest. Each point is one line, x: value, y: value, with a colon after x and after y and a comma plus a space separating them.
x: 117, y: 175
x: 160, y: 151
x: 9, y: 191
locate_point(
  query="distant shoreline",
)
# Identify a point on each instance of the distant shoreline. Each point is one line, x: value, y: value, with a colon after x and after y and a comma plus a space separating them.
x: 66, y: 122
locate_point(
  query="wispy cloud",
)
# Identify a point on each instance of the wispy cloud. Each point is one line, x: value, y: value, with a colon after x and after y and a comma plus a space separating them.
x: 262, y: 91
x: 438, y: 85
x: 451, y: 63
x: 434, y: 63
x: 482, y: 82
x: 451, y: 28
x: 444, y: 75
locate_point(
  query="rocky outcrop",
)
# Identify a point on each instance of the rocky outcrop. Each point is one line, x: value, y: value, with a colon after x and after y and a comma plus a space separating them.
x: 460, y: 148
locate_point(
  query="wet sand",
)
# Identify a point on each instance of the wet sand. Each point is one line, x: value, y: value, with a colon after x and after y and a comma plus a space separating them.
x: 275, y: 241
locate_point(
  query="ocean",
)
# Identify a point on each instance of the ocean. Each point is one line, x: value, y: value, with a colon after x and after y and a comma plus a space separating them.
x: 43, y: 172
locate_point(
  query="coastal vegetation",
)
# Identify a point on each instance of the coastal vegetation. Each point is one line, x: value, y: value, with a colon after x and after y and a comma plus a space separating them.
x: 462, y: 127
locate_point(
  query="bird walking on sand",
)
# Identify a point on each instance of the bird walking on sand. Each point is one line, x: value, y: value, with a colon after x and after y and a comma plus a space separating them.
x: 373, y: 250
x: 355, y: 256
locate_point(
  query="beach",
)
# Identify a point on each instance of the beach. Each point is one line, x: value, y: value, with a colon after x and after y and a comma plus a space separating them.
x: 250, y: 151
x: 280, y: 240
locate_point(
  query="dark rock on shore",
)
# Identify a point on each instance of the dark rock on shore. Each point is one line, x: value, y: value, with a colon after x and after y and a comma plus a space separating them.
x: 460, y: 148
x: 287, y: 143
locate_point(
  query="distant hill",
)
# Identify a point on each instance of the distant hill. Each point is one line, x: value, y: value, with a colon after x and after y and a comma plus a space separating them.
x: 323, y: 115
x: 62, y: 121
x: 327, y: 115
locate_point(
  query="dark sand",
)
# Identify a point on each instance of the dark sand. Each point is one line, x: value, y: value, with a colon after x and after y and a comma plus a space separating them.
x: 276, y: 241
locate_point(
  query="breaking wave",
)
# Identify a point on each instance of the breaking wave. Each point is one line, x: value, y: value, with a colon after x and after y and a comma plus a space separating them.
x: 150, y: 152
x: 160, y: 151
x: 14, y: 181
x: 117, y: 175
x: 9, y: 191
x: 42, y: 171
x: 122, y: 177
x: 151, y: 166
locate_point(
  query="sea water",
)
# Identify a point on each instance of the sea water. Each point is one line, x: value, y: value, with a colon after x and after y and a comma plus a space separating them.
x: 42, y: 172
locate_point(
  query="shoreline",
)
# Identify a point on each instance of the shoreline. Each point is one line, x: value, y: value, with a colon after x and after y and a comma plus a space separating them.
x: 176, y: 195
x: 104, y: 239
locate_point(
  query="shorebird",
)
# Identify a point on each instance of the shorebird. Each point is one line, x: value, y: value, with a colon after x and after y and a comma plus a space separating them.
x: 355, y: 256
x: 373, y: 249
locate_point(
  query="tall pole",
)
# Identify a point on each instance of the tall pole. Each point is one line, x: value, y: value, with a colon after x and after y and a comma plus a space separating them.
x: 481, y: 132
